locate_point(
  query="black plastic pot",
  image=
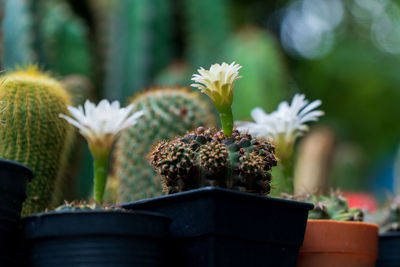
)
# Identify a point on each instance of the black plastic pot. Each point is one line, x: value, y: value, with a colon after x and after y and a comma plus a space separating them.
x: 96, y: 238
x: 389, y: 247
x: 219, y: 227
x: 14, y: 177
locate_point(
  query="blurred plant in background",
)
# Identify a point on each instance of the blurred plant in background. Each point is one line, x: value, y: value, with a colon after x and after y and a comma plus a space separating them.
x: 353, y: 70
x: 346, y: 53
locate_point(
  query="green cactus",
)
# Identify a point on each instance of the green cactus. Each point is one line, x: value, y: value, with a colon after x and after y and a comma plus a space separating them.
x: 168, y: 112
x: 34, y: 134
x: 206, y: 157
x: 65, y: 38
x: 331, y: 207
x: 207, y: 27
x: 389, y: 216
x: 18, y: 34
x: 263, y: 68
x: 139, y: 45
x: 174, y: 75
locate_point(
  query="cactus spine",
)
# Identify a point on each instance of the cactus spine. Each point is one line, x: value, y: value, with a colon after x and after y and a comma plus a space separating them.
x: 168, y: 112
x: 206, y: 157
x: 34, y: 134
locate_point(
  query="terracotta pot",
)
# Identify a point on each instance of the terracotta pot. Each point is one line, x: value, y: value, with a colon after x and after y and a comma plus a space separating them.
x: 331, y: 243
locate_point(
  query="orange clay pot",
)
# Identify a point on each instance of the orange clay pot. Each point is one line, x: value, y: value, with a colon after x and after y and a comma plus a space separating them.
x: 329, y: 243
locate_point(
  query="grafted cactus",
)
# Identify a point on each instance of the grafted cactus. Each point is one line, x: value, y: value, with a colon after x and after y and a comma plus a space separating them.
x: 206, y: 157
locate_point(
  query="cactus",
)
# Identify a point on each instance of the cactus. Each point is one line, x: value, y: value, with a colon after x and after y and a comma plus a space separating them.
x: 168, y: 112
x: 263, y: 68
x: 139, y: 45
x: 206, y: 157
x: 207, y: 28
x: 17, y: 34
x: 389, y: 220
x: 34, y: 134
x: 65, y: 38
x: 332, y: 207
x: 174, y: 75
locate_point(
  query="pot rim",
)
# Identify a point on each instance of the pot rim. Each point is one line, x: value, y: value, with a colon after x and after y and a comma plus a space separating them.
x: 215, y: 191
x: 391, y: 234
x: 86, y: 212
x: 341, y: 237
x: 60, y: 224
x: 350, y: 223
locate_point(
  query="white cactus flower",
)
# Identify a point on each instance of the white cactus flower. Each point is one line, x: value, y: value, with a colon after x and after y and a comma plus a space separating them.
x: 101, y: 124
x: 218, y: 82
x: 285, y: 124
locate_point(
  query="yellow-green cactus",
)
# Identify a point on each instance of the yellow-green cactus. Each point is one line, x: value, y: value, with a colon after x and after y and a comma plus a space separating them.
x: 34, y: 134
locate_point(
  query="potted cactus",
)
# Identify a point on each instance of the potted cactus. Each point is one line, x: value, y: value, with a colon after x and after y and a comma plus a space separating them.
x: 389, y: 237
x: 336, y: 236
x: 217, y: 183
x: 80, y: 234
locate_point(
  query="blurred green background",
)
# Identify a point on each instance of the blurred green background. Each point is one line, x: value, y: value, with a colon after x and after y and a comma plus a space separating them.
x: 344, y: 52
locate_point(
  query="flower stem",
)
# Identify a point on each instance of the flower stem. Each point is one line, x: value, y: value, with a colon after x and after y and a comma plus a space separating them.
x: 227, y: 121
x: 100, y: 166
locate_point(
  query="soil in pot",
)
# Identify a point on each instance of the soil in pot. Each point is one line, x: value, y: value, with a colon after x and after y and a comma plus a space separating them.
x: 332, y: 243
x: 96, y: 238
x: 14, y: 177
x: 389, y: 247
x: 219, y: 227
